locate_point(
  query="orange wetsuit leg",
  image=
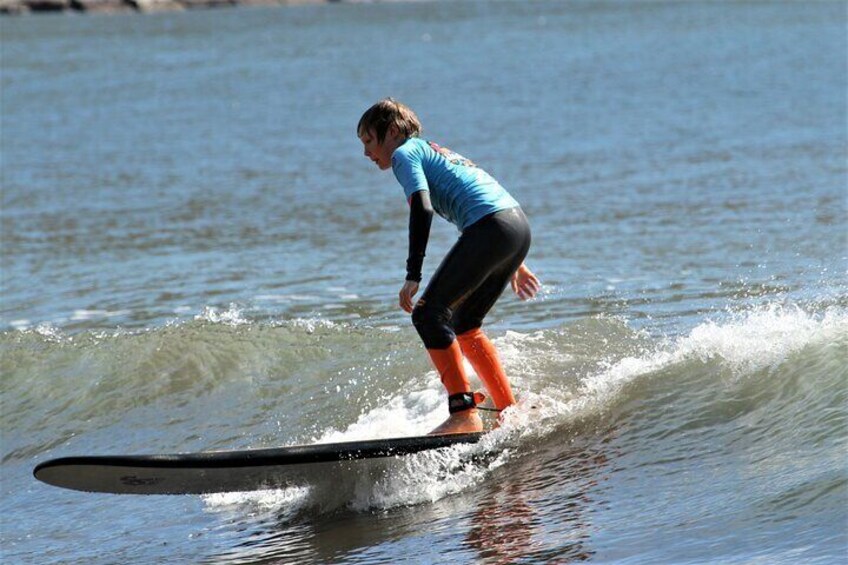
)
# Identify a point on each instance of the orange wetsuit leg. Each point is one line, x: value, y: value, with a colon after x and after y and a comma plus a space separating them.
x: 483, y: 356
x: 448, y: 363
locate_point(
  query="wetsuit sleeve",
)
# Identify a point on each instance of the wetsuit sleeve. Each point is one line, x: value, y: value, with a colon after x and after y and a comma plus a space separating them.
x: 420, y: 218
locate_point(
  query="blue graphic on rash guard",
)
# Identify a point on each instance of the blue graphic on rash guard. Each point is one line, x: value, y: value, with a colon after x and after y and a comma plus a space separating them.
x: 461, y: 192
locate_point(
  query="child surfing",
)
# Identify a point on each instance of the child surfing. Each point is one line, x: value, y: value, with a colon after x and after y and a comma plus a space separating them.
x: 489, y: 255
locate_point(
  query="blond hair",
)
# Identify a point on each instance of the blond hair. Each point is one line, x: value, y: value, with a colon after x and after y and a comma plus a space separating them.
x: 386, y: 113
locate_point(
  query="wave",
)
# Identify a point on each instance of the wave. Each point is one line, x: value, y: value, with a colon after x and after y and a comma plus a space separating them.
x: 772, y: 375
x: 766, y: 381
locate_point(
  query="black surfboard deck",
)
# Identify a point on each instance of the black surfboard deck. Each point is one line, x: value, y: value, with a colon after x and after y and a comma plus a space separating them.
x: 228, y: 471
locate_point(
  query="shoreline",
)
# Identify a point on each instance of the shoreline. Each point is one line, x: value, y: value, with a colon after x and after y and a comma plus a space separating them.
x: 24, y: 7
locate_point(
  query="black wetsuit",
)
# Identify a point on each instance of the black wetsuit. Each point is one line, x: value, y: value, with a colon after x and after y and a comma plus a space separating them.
x: 471, y: 277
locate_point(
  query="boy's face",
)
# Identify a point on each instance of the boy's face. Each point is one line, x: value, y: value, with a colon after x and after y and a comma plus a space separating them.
x: 381, y: 153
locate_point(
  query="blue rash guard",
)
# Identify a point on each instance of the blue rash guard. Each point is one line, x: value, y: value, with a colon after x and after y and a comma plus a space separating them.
x: 460, y: 192
x: 495, y: 238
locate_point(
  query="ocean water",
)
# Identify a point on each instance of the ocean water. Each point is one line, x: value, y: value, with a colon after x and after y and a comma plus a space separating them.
x: 196, y: 256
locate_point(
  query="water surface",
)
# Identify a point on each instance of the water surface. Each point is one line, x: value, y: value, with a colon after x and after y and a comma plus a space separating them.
x: 195, y: 255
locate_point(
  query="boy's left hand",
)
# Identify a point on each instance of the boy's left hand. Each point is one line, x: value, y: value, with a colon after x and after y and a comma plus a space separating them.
x: 405, y: 295
x: 525, y: 284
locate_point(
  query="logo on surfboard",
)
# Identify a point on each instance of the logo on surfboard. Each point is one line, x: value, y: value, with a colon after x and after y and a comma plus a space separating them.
x: 133, y: 481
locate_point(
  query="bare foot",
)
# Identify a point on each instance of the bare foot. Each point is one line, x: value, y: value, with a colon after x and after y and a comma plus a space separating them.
x: 460, y: 423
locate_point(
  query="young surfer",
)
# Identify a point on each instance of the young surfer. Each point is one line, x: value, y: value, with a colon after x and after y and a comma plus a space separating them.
x: 489, y: 254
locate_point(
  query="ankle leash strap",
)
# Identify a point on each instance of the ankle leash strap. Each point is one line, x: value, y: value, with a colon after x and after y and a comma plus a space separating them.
x: 466, y: 401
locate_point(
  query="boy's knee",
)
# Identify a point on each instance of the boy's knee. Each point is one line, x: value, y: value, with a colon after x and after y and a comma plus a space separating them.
x: 467, y: 325
x: 433, y: 325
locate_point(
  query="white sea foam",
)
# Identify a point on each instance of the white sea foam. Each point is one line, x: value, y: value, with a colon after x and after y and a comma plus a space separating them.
x: 428, y: 476
x: 410, y: 414
x: 233, y: 316
x: 84, y: 315
x: 312, y: 324
x: 49, y: 331
x: 268, y: 501
x: 762, y: 338
x: 521, y: 367
x: 21, y: 324
x: 747, y: 343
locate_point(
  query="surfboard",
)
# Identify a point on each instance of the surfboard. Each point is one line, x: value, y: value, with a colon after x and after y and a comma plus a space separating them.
x: 228, y: 471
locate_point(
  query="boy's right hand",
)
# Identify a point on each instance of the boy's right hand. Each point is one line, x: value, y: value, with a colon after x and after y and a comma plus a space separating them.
x: 525, y: 284
x: 405, y: 295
